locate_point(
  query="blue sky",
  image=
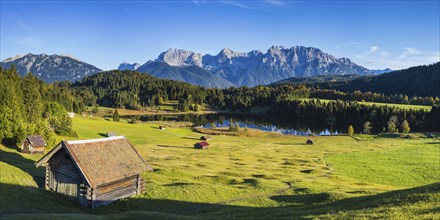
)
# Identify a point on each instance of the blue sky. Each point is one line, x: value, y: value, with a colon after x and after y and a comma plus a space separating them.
x: 374, y: 34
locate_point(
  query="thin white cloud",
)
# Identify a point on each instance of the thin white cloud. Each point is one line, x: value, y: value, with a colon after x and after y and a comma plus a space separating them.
x: 408, y: 58
x: 275, y: 2
x: 199, y: 2
x: 372, y: 49
x: 408, y: 51
x: 236, y: 4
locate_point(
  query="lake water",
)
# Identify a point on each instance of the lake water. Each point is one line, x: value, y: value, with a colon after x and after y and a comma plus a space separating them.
x: 298, y: 127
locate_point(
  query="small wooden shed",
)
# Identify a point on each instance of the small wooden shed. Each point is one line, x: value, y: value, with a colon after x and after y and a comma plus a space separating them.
x: 94, y: 172
x: 201, y: 145
x: 33, y: 144
x: 309, y: 141
x: 111, y: 134
x: 206, y: 138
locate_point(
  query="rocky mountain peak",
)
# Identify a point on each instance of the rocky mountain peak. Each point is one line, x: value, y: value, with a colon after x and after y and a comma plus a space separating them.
x: 179, y: 57
x: 10, y: 59
x: 51, y: 68
x: 128, y: 66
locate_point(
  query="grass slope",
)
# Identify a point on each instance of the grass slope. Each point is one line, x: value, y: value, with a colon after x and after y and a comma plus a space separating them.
x: 260, y: 176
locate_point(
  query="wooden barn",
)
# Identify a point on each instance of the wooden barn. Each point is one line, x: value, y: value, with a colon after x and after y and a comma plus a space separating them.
x: 111, y: 134
x: 33, y: 144
x: 206, y: 138
x: 95, y: 172
x: 201, y: 145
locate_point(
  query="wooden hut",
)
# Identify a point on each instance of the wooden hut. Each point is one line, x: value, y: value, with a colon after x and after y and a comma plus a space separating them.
x: 94, y: 172
x: 111, y: 134
x: 205, y: 138
x: 309, y: 141
x: 33, y: 144
x: 201, y: 145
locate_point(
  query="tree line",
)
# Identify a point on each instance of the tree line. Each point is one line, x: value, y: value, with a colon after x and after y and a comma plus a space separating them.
x: 29, y: 106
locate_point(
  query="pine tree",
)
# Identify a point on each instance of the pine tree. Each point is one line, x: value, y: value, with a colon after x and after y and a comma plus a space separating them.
x: 350, y: 130
x: 231, y: 126
x: 237, y: 126
x: 404, y: 127
x: 392, y: 127
x: 160, y: 101
x: 116, y: 115
x: 367, y: 127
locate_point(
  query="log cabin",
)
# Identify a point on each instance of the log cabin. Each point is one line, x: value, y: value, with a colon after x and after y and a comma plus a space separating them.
x: 33, y: 144
x: 201, y: 145
x: 206, y: 138
x: 95, y: 172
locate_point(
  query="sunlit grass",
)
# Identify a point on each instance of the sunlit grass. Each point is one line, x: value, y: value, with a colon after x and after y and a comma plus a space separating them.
x: 258, y: 176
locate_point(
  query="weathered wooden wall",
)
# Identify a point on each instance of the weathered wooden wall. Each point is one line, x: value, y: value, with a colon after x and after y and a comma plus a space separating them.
x: 65, y: 179
x: 116, y: 190
x: 29, y: 149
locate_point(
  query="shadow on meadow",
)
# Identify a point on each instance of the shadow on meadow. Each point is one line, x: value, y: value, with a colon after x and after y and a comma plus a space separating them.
x: 170, y: 146
x: 10, y: 143
x: 192, y: 138
x: 296, y: 206
x: 27, y: 165
x: 44, y: 204
x: 26, y: 199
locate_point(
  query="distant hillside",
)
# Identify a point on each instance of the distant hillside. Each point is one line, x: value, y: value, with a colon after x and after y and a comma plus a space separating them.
x: 317, y: 79
x: 191, y: 74
x: 414, y: 81
x: 132, y: 90
x: 50, y: 68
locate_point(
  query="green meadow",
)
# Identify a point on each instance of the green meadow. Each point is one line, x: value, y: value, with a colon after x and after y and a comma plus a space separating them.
x: 399, y: 106
x: 254, y: 175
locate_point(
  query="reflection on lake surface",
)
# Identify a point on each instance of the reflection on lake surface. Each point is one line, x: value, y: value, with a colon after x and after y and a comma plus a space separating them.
x: 272, y: 128
x: 299, y: 127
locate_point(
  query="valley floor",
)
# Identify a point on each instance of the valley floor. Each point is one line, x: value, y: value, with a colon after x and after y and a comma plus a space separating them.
x: 261, y: 175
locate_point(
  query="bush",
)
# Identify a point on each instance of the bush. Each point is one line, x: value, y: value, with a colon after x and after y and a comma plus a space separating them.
x: 350, y: 130
x: 133, y: 121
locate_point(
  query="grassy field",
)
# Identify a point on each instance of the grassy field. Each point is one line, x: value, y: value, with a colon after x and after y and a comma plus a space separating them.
x: 401, y: 106
x: 263, y: 176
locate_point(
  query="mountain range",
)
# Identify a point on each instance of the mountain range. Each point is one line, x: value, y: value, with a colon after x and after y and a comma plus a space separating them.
x: 225, y: 69
x: 254, y: 67
x: 50, y: 68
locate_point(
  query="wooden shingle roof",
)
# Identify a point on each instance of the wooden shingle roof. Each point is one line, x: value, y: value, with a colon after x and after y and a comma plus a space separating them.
x: 203, y: 143
x: 205, y: 137
x: 102, y: 160
x: 36, y: 140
